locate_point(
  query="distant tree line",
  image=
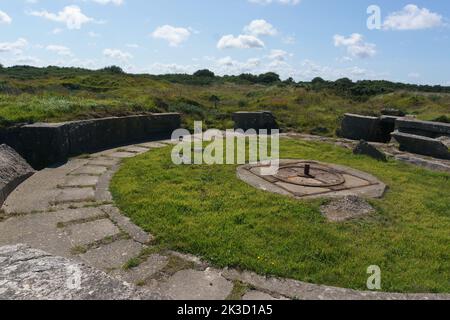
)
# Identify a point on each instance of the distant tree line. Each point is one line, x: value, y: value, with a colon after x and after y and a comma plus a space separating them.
x: 344, y: 87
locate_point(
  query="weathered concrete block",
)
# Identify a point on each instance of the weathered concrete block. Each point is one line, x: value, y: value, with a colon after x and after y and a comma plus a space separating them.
x: 423, y: 128
x: 13, y: 171
x: 255, y: 120
x: 387, y: 124
x: 364, y: 148
x: 357, y: 127
x: 421, y: 145
x: 43, y: 144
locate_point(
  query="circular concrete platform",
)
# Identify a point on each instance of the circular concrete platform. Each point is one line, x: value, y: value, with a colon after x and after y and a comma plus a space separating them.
x: 313, y: 179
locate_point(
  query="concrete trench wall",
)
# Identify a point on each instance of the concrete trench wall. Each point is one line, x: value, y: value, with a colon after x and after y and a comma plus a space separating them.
x: 260, y: 120
x: 44, y: 144
x: 423, y: 137
x: 419, y: 137
x: 423, y: 128
x: 372, y: 129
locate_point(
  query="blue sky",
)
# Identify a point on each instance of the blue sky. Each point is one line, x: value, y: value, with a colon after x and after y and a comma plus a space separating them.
x: 298, y: 38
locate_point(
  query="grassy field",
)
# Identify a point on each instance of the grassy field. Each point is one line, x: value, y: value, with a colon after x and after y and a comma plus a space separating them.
x: 49, y: 95
x: 207, y: 211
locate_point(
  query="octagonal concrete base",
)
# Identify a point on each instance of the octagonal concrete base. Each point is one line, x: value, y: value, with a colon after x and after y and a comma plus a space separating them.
x: 357, y: 183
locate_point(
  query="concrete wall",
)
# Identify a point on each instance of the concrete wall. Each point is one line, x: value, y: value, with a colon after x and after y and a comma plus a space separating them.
x: 371, y: 129
x: 255, y: 120
x: 43, y: 144
x: 13, y: 171
x: 423, y: 137
x: 419, y: 137
x: 423, y: 128
x: 422, y: 145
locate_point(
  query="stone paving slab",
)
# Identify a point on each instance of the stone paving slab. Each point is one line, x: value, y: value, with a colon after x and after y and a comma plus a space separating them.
x: 306, y: 291
x: 127, y: 226
x: 197, y: 285
x: 75, y: 195
x: 136, y: 149
x: 154, y: 264
x: 91, y: 232
x: 69, y: 215
x: 102, y: 192
x: 153, y: 145
x: 90, y: 170
x: 121, y: 155
x: 40, y: 230
x: 39, y: 192
x: 29, y: 274
x: 103, y: 162
x: 81, y: 181
x: 113, y: 255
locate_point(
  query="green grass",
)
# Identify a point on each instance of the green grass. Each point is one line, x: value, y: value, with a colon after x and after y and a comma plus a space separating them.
x: 52, y: 96
x: 207, y: 211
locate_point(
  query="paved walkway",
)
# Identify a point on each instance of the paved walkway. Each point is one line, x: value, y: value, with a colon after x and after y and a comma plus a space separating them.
x: 67, y: 211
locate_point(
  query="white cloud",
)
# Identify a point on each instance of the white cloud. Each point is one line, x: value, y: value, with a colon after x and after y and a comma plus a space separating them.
x: 81, y: 63
x: 71, y: 16
x: 165, y: 68
x: 228, y: 65
x: 4, y: 18
x: 115, y: 2
x: 411, y: 17
x: 279, y: 55
x: 14, y: 47
x: 240, y: 42
x: 344, y: 59
x: 27, y: 60
x: 266, y: 2
x: 117, y: 54
x: 175, y: 36
x: 60, y: 50
x: 260, y: 27
x: 355, y: 45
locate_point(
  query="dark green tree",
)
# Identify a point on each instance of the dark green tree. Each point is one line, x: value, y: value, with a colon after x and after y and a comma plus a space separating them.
x: 249, y: 77
x: 289, y: 81
x: 113, y: 69
x: 268, y: 78
x: 204, y: 73
x: 318, y: 80
x: 344, y: 82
